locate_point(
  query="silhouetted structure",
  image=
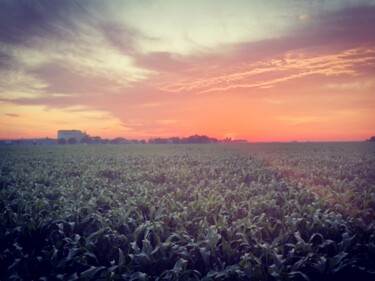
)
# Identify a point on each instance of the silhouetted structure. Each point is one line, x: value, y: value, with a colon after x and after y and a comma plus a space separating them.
x: 177, y: 140
x: 71, y: 134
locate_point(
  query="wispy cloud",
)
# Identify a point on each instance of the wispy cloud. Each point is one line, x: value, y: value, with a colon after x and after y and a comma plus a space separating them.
x: 351, y: 86
x: 290, y: 65
x: 12, y: 115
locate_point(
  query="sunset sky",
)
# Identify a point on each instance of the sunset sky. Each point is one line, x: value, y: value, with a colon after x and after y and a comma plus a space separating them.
x: 274, y: 70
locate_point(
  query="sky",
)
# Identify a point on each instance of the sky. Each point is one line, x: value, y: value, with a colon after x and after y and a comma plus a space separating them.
x: 277, y: 70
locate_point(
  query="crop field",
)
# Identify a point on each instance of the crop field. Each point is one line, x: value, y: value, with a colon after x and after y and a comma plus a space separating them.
x: 292, y: 211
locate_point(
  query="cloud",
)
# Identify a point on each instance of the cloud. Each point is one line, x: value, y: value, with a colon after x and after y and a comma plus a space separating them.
x: 12, y: 115
x: 6, y: 61
x: 270, y: 72
x: 162, y: 61
x: 344, y: 28
x: 66, y: 39
x: 24, y: 21
x: 47, y: 101
x: 351, y: 86
x: 70, y: 80
x: 349, y: 26
x: 168, y: 121
x: 69, y: 55
x: 309, y: 49
x: 121, y: 37
x: 304, y: 17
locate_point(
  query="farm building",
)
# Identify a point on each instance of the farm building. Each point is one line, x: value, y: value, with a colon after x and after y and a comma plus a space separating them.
x: 69, y: 134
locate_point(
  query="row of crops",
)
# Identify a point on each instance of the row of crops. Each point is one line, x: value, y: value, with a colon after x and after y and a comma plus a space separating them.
x: 188, y: 212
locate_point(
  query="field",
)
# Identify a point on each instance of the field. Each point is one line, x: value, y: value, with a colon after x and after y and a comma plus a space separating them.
x: 293, y: 211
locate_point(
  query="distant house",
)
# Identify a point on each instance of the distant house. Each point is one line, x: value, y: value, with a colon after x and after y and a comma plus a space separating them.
x: 70, y: 134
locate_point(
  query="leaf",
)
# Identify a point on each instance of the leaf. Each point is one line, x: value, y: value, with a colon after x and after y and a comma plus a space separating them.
x: 138, y: 276
x: 91, y: 255
x: 321, y: 264
x: 279, y: 261
x: 142, y: 260
x: 272, y: 270
x: 121, y: 257
x: 227, y: 249
x: 298, y: 264
x: 146, y: 247
x: 297, y: 275
x: 297, y: 235
x: 14, y: 265
x: 213, y: 237
x: 180, y: 265
x: 347, y: 241
x: 316, y: 238
x: 205, y: 256
x: 135, y: 247
x: 92, y: 272
x: 338, y: 262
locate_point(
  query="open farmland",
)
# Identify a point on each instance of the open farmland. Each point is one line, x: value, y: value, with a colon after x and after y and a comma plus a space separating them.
x: 188, y: 212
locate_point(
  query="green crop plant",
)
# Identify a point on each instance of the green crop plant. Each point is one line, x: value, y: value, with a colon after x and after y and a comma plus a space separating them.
x: 188, y: 212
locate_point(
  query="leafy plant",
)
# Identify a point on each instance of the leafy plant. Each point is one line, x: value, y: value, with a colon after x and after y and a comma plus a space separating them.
x: 188, y: 212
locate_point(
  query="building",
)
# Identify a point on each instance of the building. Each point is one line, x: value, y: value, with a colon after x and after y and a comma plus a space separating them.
x: 70, y: 134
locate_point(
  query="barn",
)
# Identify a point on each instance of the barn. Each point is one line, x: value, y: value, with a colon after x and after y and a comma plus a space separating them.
x: 69, y: 134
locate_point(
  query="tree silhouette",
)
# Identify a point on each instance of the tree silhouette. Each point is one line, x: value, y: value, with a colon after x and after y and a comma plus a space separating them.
x: 72, y: 140
x: 61, y: 141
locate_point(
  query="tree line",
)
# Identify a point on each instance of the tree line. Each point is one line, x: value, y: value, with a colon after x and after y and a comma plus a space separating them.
x: 121, y: 140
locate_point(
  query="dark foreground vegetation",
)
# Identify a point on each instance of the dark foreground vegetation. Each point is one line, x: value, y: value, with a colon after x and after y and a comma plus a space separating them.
x: 188, y: 212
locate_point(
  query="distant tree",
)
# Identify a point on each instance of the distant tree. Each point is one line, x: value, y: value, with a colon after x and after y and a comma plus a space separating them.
x: 72, y: 140
x: 86, y: 139
x: 214, y: 140
x: 96, y: 140
x: 117, y: 140
x: 372, y: 138
x: 142, y: 142
x: 105, y: 141
x: 61, y: 141
x: 158, y: 141
x: 198, y: 139
x: 175, y: 140
x: 191, y: 139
